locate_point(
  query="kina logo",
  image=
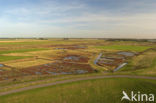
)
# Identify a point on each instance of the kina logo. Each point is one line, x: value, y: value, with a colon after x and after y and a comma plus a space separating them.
x: 138, y: 97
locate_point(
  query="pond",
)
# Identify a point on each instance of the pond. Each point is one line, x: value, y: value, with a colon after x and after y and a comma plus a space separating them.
x: 97, y: 59
x: 38, y: 73
x: 120, y: 66
x: 80, y: 71
x: 107, y: 59
x: 75, y: 72
x: 71, y: 58
x: 126, y: 53
x: 1, y: 65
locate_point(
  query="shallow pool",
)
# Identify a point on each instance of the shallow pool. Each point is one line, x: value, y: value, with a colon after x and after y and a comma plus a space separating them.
x: 126, y: 53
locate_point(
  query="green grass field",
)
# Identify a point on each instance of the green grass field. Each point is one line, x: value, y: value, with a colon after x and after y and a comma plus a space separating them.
x: 91, y: 91
x: 124, y: 47
x: 22, y: 50
x: 7, y: 58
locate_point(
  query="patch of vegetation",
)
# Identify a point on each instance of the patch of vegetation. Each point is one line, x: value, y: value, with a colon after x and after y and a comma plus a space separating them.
x: 25, y: 64
x: 22, y: 50
x: 7, y: 58
x: 23, y: 43
x: 144, y: 63
x: 124, y: 47
x: 91, y: 91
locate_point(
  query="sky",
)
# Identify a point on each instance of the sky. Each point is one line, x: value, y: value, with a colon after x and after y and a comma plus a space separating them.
x: 78, y: 18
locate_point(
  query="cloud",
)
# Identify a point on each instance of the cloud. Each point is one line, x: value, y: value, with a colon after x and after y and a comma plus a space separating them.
x: 79, y: 18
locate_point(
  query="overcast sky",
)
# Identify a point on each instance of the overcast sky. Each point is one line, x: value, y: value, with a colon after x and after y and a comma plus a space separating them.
x: 78, y: 18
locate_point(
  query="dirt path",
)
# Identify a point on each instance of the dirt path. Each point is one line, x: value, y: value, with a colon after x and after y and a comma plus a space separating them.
x: 73, y: 80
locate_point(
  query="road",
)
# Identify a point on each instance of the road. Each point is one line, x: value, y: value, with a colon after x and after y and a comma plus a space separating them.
x: 74, y: 80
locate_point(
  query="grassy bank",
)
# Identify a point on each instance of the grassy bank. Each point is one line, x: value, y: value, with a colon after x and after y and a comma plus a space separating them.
x: 144, y: 64
x: 91, y: 91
